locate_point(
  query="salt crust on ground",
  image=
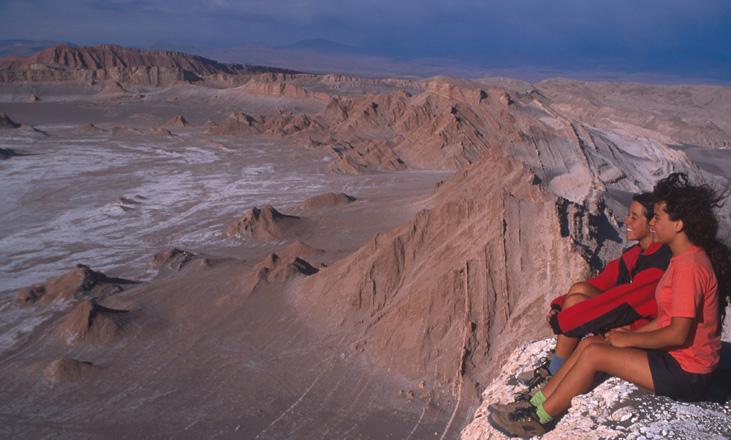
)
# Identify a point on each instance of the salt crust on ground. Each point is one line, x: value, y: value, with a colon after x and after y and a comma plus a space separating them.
x: 615, y: 409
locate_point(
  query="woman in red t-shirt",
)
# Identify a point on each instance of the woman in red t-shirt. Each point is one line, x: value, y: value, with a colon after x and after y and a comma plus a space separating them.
x: 674, y: 354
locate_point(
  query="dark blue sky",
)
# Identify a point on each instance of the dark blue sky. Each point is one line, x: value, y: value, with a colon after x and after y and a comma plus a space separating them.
x: 680, y: 37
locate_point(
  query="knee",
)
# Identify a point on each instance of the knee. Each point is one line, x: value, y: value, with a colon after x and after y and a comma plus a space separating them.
x: 592, y: 355
x: 584, y: 288
x: 579, y: 287
x: 591, y: 340
x: 573, y: 299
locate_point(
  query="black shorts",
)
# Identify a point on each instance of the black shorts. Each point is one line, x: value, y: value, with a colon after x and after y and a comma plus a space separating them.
x: 672, y: 381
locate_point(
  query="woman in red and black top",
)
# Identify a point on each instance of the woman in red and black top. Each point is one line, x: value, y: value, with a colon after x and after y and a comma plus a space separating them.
x: 622, y: 294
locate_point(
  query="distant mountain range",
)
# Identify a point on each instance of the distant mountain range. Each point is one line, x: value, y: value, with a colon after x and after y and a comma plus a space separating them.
x: 109, y: 62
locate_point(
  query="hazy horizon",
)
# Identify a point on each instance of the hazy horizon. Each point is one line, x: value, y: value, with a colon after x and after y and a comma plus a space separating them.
x: 675, y: 41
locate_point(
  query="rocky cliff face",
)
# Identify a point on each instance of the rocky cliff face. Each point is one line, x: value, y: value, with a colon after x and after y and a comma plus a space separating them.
x: 92, y: 64
x: 444, y: 297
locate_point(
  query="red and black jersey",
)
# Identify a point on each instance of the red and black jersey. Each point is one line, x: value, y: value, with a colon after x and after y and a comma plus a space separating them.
x: 628, y: 294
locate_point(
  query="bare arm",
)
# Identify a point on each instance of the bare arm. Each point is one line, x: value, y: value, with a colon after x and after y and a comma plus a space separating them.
x: 671, y: 336
x: 650, y: 326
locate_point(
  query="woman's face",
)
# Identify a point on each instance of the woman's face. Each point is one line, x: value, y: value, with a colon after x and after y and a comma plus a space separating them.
x: 636, y: 223
x: 664, y: 228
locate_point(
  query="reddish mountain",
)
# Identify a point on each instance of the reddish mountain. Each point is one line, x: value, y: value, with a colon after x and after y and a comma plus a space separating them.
x: 116, y: 63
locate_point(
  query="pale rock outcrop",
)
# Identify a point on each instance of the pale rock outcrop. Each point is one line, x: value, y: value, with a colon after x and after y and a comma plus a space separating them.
x: 327, y: 200
x: 161, y: 132
x: 176, y: 260
x: 78, y: 282
x: 69, y: 370
x: 675, y: 114
x: 303, y: 250
x: 364, y: 156
x: 237, y: 123
x: 177, y: 121
x: 264, y: 223
x: 505, y: 99
x: 281, y: 88
x: 287, y: 124
x: 277, y: 269
x: 614, y: 410
x: 91, y: 323
x: 6, y: 122
x: 113, y: 88
x: 89, y: 128
x: 455, y: 89
x: 292, y: 261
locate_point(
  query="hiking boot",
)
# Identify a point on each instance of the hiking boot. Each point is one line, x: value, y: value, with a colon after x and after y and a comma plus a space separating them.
x: 536, y: 378
x: 521, y: 422
x: 523, y: 396
x: 509, y: 407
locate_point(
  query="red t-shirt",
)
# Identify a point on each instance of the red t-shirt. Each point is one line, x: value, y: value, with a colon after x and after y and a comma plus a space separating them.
x: 689, y: 289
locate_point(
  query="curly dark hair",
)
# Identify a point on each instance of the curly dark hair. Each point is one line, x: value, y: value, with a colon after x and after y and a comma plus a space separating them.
x: 694, y: 205
x: 648, y: 203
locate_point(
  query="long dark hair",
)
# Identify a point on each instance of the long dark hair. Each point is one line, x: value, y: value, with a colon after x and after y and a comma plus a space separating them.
x: 648, y: 203
x: 694, y: 205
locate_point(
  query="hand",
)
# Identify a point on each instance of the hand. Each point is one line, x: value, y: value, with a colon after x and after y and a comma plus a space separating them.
x: 619, y: 338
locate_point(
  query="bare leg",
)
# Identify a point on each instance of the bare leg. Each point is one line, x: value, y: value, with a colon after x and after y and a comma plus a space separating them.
x: 554, y: 382
x: 630, y: 364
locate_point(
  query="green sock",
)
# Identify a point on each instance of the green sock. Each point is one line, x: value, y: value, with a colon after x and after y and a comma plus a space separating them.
x: 543, y: 416
x: 537, y: 399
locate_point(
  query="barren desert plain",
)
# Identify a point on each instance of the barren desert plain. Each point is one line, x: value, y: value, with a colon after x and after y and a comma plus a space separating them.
x: 192, y: 249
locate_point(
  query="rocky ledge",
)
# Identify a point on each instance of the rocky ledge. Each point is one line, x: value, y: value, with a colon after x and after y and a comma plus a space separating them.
x: 613, y: 410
